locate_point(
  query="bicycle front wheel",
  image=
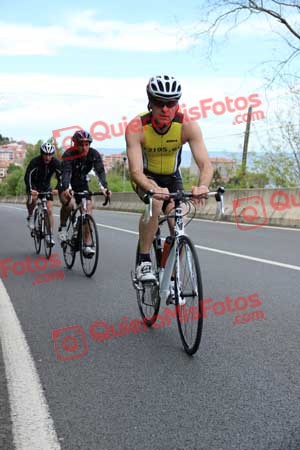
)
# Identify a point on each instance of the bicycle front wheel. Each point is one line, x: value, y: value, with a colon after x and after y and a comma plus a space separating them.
x: 148, y: 297
x: 37, y: 231
x: 188, y: 295
x: 47, y: 235
x: 89, y: 233
x: 69, y: 247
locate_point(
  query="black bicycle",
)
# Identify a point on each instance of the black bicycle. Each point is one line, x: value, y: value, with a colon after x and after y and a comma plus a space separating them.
x: 177, y: 269
x: 42, y: 225
x: 82, y: 233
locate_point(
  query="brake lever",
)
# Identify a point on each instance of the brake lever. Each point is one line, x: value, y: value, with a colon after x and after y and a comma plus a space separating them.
x: 220, y: 202
x: 148, y: 210
x: 107, y: 200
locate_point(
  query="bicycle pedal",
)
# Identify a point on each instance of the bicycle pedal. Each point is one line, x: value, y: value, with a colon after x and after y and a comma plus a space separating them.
x: 170, y: 300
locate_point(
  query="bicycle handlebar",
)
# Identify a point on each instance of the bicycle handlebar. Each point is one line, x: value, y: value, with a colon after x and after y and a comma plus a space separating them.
x: 86, y: 193
x: 40, y: 195
x: 182, y: 195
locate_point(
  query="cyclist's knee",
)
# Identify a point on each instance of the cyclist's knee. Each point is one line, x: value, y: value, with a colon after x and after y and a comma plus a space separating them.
x: 89, y: 206
x: 157, y: 206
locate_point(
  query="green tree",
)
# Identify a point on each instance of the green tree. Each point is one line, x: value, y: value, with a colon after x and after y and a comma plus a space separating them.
x: 279, y: 168
x: 31, y: 152
x: 254, y: 179
x: 12, y: 181
x: 217, y: 180
x: 12, y: 168
x: 4, y: 140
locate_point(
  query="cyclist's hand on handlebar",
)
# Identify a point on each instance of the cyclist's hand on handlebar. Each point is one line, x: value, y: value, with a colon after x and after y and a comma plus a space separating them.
x: 54, y: 191
x: 106, y: 192
x: 162, y: 193
x: 67, y: 195
x: 197, y: 191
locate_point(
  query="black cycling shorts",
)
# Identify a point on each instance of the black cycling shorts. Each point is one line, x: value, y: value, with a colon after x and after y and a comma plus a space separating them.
x: 49, y: 197
x: 81, y: 188
x: 173, y: 182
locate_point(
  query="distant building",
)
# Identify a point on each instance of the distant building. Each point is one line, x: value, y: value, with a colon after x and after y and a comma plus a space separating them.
x: 12, y: 153
x: 110, y: 161
x: 224, y: 166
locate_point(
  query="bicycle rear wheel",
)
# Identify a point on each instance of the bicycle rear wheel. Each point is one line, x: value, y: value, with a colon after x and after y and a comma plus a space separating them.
x: 188, y: 295
x: 47, y: 235
x: 148, y: 297
x: 89, y: 262
x: 69, y: 246
x: 37, y: 231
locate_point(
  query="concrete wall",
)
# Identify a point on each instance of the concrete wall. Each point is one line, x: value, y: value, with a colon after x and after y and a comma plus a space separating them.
x: 279, y: 207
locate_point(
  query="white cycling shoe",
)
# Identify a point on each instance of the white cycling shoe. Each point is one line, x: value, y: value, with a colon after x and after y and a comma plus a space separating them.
x: 30, y: 223
x: 62, y: 234
x: 144, y: 272
x: 50, y: 241
x: 89, y: 251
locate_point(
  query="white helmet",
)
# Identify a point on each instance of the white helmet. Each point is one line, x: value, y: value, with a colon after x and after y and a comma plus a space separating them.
x: 164, y: 87
x: 47, y: 149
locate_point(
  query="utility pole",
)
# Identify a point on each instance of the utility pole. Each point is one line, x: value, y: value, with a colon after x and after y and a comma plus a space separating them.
x: 124, y: 172
x: 246, y: 140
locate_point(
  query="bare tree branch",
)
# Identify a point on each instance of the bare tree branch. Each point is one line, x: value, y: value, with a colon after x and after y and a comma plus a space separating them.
x: 231, y: 14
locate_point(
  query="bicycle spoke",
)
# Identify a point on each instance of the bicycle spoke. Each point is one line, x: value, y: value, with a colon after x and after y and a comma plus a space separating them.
x: 47, y: 235
x: 148, y: 297
x: 189, y: 297
x: 89, y: 261
x: 69, y: 247
x: 37, y: 231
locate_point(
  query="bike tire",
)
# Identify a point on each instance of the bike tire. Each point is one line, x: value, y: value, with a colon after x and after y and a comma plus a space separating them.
x: 69, y: 247
x: 89, y: 264
x: 148, y: 298
x: 188, y: 297
x: 37, y: 231
x: 47, y: 233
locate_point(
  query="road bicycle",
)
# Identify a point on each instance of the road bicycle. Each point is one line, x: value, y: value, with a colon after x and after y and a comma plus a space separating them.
x: 81, y: 227
x: 42, y: 225
x: 177, y: 270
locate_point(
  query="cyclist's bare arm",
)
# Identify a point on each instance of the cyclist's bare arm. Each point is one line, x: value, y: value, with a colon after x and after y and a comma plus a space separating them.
x: 134, y: 140
x: 192, y: 134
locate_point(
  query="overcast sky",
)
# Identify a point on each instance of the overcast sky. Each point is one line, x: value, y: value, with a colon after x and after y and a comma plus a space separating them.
x: 66, y: 64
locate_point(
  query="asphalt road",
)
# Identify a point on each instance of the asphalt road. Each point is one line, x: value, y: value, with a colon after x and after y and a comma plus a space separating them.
x: 141, y: 391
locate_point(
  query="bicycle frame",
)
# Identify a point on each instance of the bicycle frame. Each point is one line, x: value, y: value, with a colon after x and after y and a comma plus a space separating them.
x: 165, y: 273
x: 41, y: 205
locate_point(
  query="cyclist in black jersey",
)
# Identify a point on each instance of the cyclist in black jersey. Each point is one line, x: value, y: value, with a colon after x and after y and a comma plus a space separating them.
x: 37, y: 179
x: 78, y: 161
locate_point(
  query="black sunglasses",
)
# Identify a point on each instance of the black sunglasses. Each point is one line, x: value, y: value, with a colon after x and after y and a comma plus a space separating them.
x: 162, y: 103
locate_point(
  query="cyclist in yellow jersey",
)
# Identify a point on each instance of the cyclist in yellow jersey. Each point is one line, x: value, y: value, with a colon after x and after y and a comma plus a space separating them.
x: 154, y: 143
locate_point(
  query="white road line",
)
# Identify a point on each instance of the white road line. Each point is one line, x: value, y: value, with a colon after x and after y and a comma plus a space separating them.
x: 116, y: 228
x: 215, y: 250
x: 271, y: 227
x: 250, y: 258
x: 33, y: 427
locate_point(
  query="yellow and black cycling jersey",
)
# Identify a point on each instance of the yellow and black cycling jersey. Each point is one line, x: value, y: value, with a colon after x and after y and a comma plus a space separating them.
x: 162, y: 152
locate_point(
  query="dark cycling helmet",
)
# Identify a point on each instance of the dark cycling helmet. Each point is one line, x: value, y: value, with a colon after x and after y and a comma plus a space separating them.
x: 164, y: 87
x: 82, y: 136
x: 47, y: 149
